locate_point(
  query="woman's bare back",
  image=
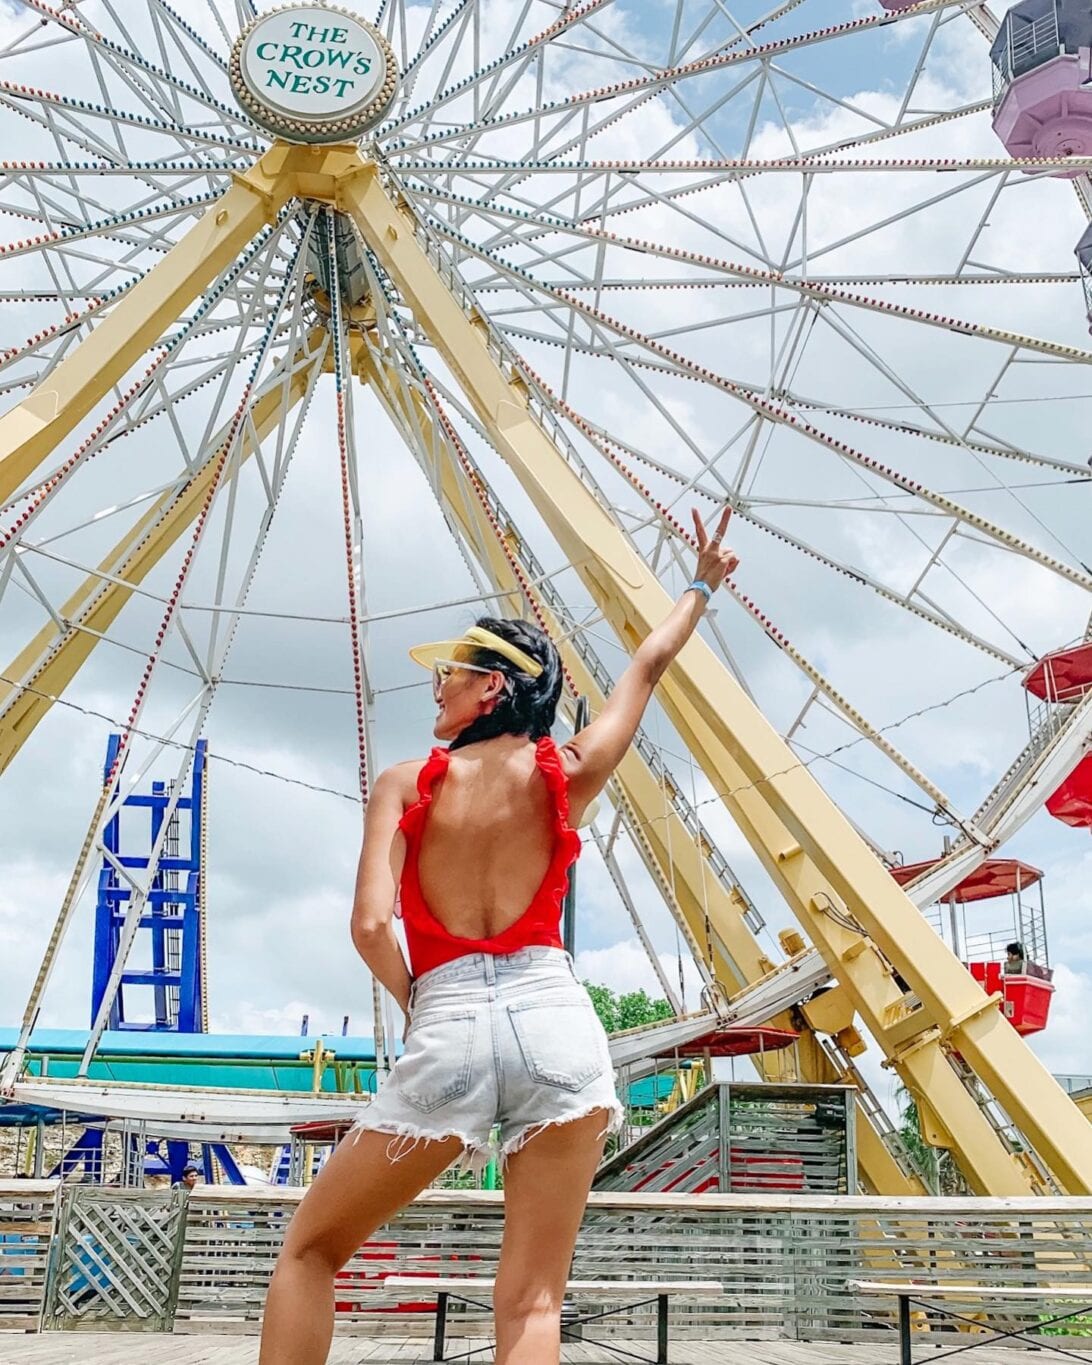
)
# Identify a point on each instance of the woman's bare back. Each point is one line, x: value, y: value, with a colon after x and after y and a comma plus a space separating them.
x: 488, y: 838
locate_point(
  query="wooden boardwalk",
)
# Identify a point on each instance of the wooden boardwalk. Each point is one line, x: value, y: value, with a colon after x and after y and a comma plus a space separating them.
x: 128, y: 1348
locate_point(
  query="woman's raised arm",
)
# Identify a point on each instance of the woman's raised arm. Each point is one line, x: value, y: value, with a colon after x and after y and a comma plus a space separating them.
x: 593, y: 754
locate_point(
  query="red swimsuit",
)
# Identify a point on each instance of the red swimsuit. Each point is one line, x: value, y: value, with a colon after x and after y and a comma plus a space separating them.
x: 430, y: 944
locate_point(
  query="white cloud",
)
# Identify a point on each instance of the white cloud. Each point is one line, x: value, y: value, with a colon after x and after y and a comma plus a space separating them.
x: 1065, y: 1045
x: 624, y: 967
x: 243, y: 1016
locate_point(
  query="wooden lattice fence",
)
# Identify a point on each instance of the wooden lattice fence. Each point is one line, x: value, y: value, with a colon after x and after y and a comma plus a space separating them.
x: 26, y: 1229
x: 783, y: 1263
x: 133, y: 1260
x: 116, y: 1259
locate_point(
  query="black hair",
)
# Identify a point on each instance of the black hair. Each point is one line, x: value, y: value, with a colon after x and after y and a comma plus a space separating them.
x: 187, y: 1169
x: 528, y: 705
x: 1016, y: 948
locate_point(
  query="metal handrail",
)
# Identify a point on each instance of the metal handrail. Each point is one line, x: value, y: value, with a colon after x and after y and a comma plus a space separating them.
x: 1029, y: 45
x: 1025, y: 46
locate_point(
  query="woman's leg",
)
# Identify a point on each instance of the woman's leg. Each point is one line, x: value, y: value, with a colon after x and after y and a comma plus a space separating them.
x: 546, y: 1186
x: 357, y: 1191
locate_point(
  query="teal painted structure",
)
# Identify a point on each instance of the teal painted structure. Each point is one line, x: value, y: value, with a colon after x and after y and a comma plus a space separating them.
x: 207, y: 1060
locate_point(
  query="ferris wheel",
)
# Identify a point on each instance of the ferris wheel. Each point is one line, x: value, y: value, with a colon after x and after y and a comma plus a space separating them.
x: 592, y: 266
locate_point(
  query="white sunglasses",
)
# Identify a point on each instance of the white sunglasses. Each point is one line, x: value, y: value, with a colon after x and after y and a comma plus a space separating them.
x: 441, y: 671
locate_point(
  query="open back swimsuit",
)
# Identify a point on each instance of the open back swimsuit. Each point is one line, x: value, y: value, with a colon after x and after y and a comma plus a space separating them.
x: 501, y: 1032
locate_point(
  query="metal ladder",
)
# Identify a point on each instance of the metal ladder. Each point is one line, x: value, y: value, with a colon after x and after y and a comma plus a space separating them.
x: 876, y: 1114
x: 1014, y: 1141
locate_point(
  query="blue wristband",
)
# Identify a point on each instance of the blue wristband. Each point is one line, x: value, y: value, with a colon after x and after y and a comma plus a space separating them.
x: 702, y: 587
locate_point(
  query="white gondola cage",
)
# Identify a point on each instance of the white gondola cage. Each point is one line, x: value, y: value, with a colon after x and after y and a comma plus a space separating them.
x: 1083, y: 252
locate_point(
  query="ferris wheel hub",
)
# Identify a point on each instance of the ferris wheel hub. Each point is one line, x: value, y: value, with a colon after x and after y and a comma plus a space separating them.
x: 313, y: 73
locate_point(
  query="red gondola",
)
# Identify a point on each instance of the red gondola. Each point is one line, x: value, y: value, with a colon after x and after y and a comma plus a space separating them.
x: 734, y: 1042
x: 1024, y: 982
x: 1072, y: 802
x: 1025, y: 1000
x: 994, y: 877
x: 1065, y: 676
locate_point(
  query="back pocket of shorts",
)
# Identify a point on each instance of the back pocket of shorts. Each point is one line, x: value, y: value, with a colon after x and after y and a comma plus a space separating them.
x: 562, y: 1041
x: 435, y: 1067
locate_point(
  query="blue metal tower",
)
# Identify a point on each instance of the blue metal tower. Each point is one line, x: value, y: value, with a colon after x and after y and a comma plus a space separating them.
x: 173, y: 914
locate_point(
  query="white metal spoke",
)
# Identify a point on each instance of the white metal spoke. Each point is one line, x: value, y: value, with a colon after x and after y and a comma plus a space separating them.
x: 79, y: 112
x: 782, y: 279
x: 603, y: 324
x: 745, y: 508
x: 126, y: 60
x: 661, y: 80
x: 43, y: 493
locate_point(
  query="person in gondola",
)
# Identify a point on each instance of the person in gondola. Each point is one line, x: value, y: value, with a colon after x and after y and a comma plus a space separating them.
x: 475, y: 844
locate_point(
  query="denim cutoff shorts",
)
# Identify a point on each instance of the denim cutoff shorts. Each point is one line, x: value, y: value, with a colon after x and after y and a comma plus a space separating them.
x: 507, y: 1039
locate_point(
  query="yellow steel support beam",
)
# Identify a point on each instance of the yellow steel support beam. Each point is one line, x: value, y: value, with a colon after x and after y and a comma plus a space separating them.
x: 53, y: 657
x: 32, y: 429
x: 830, y: 878
x: 695, y: 889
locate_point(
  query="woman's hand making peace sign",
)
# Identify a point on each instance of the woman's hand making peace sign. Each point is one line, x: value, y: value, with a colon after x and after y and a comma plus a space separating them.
x: 594, y: 752
x: 714, y: 563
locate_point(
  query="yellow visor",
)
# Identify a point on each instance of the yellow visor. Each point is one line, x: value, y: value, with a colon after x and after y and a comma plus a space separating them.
x: 462, y: 650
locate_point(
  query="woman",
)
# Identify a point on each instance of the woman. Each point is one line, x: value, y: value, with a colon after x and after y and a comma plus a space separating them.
x: 478, y: 840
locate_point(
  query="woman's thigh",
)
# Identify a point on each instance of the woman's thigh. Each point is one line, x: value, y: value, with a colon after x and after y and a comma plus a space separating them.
x: 546, y: 1186
x: 359, y: 1189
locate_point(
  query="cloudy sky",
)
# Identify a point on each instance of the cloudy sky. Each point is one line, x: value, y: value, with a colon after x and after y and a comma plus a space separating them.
x: 284, y: 827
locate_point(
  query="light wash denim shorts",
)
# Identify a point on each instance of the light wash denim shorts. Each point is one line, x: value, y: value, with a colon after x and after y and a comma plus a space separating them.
x: 507, y: 1039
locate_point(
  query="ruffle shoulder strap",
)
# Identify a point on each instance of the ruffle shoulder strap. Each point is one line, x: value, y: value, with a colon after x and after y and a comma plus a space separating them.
x: 557, y: 784
x: 432, y: 769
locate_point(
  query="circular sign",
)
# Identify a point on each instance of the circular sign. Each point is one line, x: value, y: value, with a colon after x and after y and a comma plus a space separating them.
x: 313, y: 73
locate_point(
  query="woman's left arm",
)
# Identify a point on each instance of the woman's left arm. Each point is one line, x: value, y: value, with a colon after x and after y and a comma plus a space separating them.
x: 377, y: 877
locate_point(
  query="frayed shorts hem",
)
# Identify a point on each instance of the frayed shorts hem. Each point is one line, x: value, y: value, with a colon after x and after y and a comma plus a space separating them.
x: 476, y: 1154
x: 475, y: 1157
x: 519, y: 1140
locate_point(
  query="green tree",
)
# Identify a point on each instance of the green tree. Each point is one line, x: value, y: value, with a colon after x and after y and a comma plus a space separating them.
x: 617, y: 1012
x: 935, y: 1163
x: 606, y: 1005
x: 637, y: 1007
